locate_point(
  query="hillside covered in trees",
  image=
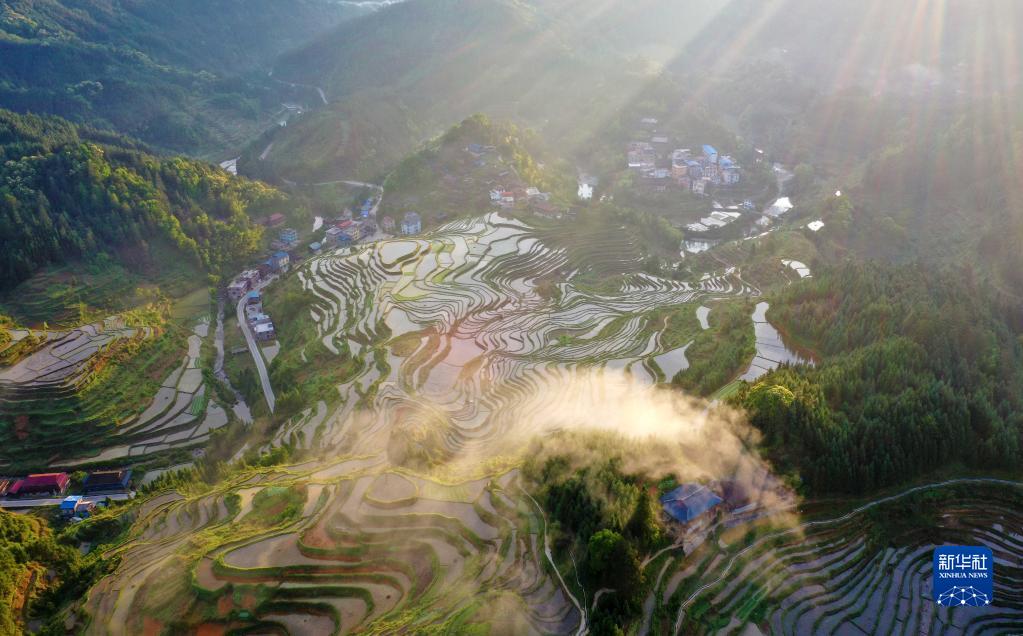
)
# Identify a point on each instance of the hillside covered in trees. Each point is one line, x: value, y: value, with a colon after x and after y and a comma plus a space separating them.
x: 69, y: 194
x: 179, y: 75
x: 922, y: 372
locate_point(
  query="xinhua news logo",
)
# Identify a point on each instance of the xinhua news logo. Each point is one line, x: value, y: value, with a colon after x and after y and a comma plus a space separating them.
x: 964, y: 575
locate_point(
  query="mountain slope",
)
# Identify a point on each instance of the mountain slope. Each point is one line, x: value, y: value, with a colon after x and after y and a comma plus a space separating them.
x: 169, y: 73
x: 67, y: 193
x: 414, y: 69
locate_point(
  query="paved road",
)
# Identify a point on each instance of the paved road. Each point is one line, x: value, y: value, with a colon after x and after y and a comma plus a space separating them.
x: 257, y: 357
x: 824, y: 522
x: 55, y: 501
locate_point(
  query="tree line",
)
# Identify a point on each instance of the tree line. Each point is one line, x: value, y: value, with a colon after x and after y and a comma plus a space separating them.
x: 922, y: 372
x: 67, y: 196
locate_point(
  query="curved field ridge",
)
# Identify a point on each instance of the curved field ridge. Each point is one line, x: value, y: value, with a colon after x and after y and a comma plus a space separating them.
x: 384, y: 551
x: 457, y: 335
x: 865, y: 572
x: 470, y: 295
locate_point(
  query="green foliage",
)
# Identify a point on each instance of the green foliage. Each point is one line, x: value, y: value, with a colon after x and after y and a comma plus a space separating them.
x: 719, y: 354
x: 29, y: 550
x: 151, y: 69
x: 276, y: 505
x: 76, y: 199
x: 599, y: 509
x: 644, y: 526
x: 921, y: 370
x: 613, y: 564
x: 443, y: 179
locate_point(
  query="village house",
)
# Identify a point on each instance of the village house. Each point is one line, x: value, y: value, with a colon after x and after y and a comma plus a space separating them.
x: 689, y: 502
x: 242, y: 283
x: 387, y: 223
x: 641, y: 156
x: 351, y: 229
x: 264, y: 331
x: 40, y: 485
x: 279, y: 261
x: 546, y: 210
x: 289, y: 236
x: 76, y: 506
x: 107, y: 481
x: 411, y: 224
x: 332, y: 236
x: 237, y: 289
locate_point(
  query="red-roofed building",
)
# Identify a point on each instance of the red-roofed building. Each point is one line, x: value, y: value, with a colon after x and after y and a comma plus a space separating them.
x: 40, y: 484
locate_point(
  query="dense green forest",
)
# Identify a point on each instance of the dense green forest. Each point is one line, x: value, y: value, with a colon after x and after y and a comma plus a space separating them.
x: 66, y: 195
x: 922, y: 372
x: 604, y: 517
x: 43, y: 569
x: 182, y: 75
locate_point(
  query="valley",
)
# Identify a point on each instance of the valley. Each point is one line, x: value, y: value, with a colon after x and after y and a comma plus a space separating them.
x: 509, y: 317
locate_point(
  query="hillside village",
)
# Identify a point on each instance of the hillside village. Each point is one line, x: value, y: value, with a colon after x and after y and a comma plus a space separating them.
x: 700, y: 173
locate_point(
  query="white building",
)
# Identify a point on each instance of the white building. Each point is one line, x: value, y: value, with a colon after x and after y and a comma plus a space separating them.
x: 411, y: 224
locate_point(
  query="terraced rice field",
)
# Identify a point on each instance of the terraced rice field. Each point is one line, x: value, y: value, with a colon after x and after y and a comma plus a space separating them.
x: 181, y: 414
x: 67, y: 406
x: 476, y: 334
x: 456, y: 342
x: 369, y: 548
x: 457, y: 345
x: 63, y: 363
x: 864, y: 573
x: 771, y: 349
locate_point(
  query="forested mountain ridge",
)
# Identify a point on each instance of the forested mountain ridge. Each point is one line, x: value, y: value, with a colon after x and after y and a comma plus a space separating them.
x: 68, y: 195
x: 922, y: 371
x: 181, y: 75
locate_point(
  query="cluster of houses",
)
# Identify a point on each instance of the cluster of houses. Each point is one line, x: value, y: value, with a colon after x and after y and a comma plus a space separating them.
x: 682, y: 168
x: 529, y: 198
x: 350, y: 227
x: 720, y: 216
x: 51, y: 485
x: 276, y: 263
x: 260, y: 323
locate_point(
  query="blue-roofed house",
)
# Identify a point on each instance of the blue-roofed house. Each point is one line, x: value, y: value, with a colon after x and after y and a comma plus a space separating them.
x: 710, y: 152
x: 689, y: 502
x: 75, y: 506
x: 279, y: 260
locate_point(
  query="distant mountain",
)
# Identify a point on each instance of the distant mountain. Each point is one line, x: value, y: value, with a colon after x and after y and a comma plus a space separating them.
x: 182, y: 75
x: 409, y: 71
